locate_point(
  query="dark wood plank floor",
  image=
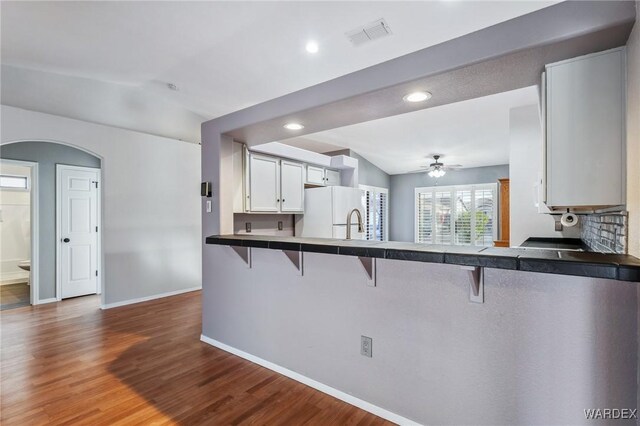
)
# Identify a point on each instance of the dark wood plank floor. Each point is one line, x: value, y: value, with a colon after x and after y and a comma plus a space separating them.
x: 71, y: 363
x: 14, y: 296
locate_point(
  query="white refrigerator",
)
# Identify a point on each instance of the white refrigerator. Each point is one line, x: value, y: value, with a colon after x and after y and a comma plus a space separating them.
x: 325, y: 213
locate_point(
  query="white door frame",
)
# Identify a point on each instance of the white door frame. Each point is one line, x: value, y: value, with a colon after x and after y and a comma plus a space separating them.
x: 34, y: 273
x: 59, y: 168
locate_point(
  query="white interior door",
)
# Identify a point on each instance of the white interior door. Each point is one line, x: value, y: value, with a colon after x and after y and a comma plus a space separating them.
x: 77, y: 201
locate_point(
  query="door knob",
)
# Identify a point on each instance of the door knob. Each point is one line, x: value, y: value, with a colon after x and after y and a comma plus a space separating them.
x: 66, y: 240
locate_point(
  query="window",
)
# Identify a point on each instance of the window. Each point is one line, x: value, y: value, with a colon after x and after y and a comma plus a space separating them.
x: 14, y: 182
x: 460, y: 215
x: 375, y: 203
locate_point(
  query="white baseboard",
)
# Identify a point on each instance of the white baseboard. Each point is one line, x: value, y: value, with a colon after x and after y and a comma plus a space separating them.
x: 147, y: 298
x: 15, y: 280
x: 43, y: 301
x: 349, y: 399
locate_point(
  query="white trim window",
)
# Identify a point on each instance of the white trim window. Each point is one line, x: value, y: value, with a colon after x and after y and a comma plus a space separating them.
x: 14, y: 182
x: 375, y: 205
x: 458, y: 215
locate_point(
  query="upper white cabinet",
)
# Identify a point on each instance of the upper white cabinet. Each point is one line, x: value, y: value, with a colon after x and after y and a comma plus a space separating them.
x: 264, y: 183
x: 332, y: 177
x: 584, y: 102
x: 321, y: 176
x: 292, y: 186
x: 275, y: 186
x: 315, y: 175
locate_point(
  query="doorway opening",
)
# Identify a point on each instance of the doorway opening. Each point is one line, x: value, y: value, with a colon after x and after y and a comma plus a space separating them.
x: 18, y: 226
x: 47, y: 261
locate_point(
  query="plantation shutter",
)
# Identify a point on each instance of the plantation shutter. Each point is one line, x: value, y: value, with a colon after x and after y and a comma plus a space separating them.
x: 461, y: 215
x: 484, y: 207
x: 424, y: 217
x: 442, y: 212
x: 375, y: 208
x: 381, y: 216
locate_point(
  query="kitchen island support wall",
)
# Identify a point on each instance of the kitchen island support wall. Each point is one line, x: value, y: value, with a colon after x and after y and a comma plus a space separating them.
x: 541, y: 349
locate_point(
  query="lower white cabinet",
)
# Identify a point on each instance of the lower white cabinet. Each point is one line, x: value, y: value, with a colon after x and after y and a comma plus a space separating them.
x: 291, y: 187
x: 264, y: 183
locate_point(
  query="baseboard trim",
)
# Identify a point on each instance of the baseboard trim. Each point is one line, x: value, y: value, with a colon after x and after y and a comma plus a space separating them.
x: 45, y: 301
x: 349, y: 399
x: 148, y: 298
x: 17, y: 280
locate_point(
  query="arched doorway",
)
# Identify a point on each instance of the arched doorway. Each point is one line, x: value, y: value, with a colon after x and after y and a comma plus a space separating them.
x: 45, y: 157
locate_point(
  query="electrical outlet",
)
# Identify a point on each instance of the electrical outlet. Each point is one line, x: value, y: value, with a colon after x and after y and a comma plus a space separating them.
x: 247, y: 226
x: 365, y: 346
x: 280, y: 226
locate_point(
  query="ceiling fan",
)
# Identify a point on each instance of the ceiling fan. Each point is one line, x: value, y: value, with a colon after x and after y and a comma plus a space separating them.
x: 437, y: 168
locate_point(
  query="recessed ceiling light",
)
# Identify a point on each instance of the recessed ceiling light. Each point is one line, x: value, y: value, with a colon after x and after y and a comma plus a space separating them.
x: 417, y: 97
x: 312, y: 46
x: 293, y: 126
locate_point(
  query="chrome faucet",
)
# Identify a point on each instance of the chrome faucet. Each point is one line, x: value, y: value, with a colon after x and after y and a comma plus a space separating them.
x: 360, y: 225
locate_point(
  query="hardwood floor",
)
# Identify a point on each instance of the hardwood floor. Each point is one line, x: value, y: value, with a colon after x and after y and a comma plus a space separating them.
x: 71, y: 363
x: 14, y: 296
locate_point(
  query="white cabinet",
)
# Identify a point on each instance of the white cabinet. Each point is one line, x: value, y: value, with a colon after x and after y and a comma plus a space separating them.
x: 332, y: 177
x: 292, y: 187
x: 321, y: 176
x: 264, y: 183
x: 584, y: 100
x: 315, y: 175
x: 275, y: 186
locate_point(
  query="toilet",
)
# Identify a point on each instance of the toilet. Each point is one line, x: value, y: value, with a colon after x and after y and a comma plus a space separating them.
x: 26, y: 266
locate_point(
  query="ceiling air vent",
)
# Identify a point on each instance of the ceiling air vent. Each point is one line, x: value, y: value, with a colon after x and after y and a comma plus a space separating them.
x: 366, y: 33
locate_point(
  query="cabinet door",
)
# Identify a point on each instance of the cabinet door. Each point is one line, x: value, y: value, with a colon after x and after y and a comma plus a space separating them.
x: 315, y: 175
x: 332, y: 177
x: 585, y: 112
x: 264, y: 185
x: 292, y: 186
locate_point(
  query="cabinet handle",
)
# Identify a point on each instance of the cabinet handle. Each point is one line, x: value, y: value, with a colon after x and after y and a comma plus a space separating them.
x: 283, y: 200
x: 278, y: 200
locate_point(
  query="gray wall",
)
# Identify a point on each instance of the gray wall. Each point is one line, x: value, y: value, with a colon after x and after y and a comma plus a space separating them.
x: 402, y: 194
x: 539, y: 350
x: 47, y: 155
x: 368, y: 173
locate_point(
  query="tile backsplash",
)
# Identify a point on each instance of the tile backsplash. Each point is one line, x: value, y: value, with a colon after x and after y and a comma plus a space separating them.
x: 605, y: 232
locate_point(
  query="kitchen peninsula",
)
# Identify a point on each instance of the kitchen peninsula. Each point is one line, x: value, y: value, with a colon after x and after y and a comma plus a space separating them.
x: 584, y: 264
x: 421, y: 333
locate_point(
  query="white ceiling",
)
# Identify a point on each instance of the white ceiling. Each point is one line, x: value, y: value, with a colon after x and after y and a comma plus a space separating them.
x: 472, y: 133
x: 223, y: 56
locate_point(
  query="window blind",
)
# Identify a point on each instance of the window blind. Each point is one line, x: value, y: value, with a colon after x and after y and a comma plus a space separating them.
x: 461, y: 215
x: 375, y: 208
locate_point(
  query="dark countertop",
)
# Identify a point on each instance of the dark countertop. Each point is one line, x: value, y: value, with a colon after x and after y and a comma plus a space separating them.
x: 555, y: 243
x: 584, y: 264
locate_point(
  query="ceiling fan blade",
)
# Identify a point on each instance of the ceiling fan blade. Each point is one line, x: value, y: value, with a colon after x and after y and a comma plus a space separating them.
x: 453, y: 166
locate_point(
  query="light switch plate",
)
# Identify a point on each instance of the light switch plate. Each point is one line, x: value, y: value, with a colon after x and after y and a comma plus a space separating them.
x: 365, y: 346
x: 208, y: 206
